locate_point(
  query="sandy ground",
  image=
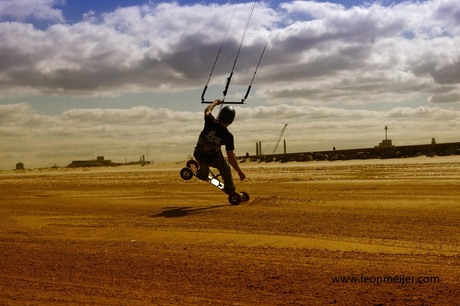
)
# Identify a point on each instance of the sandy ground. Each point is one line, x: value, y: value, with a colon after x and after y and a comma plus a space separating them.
x: 373, y: 232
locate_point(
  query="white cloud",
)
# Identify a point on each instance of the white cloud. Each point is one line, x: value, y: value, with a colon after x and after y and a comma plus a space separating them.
x: 39, y: 140
x: 36, y: 9
x: 315, y: 48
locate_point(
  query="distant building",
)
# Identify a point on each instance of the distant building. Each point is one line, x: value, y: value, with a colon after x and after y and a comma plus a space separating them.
x: 99, y: 162
x: 19, y: 166
x: 386, y: 143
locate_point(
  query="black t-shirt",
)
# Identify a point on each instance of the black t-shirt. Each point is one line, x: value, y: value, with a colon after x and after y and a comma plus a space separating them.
x: 213, y: 136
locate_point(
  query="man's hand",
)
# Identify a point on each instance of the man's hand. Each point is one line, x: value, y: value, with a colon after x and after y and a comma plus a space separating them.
x: 242, y: 175
x: 234, y: 164
x: 211, y: 106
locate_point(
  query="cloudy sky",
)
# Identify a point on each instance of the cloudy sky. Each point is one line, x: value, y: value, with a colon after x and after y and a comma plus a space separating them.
x: 119, y: 78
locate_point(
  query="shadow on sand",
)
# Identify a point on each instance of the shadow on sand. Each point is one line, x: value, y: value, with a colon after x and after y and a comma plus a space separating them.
x: 177, y: 212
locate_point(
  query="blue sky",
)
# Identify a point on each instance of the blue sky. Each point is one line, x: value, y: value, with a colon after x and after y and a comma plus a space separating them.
x: 73, y: 10
x: 85, y: 78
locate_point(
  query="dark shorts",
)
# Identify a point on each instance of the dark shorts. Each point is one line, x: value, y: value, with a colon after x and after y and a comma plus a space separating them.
x: 217, y: 161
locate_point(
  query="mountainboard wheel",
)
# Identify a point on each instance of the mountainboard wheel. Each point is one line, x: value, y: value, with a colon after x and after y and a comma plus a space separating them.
x: 186, y: 173
x: 194, y: 163
x: 244, y: 196
x: 234, y: 198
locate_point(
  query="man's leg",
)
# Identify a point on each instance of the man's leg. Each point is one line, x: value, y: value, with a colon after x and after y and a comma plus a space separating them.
x: 203, y: 171
x: 226, y: 174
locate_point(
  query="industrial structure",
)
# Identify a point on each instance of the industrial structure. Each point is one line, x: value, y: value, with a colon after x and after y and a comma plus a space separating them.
x: 385, y: 149
x: 438, y: 149
x: 386, y: 143
x: 259, y: 151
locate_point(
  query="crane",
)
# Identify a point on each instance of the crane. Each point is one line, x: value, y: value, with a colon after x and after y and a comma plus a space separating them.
x: 279, y: 138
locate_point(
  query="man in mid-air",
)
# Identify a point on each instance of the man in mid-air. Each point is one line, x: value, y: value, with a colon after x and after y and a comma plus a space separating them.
x: 208, y: 151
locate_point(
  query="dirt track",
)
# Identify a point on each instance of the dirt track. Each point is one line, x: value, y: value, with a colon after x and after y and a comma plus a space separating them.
x: 142, y: 236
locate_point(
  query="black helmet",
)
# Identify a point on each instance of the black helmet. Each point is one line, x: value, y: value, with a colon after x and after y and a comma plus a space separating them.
x: 227, y: 115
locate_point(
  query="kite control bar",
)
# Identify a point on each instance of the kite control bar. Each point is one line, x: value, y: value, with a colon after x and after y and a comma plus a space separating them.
x: 225, y: 93
x: 225, y: 102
